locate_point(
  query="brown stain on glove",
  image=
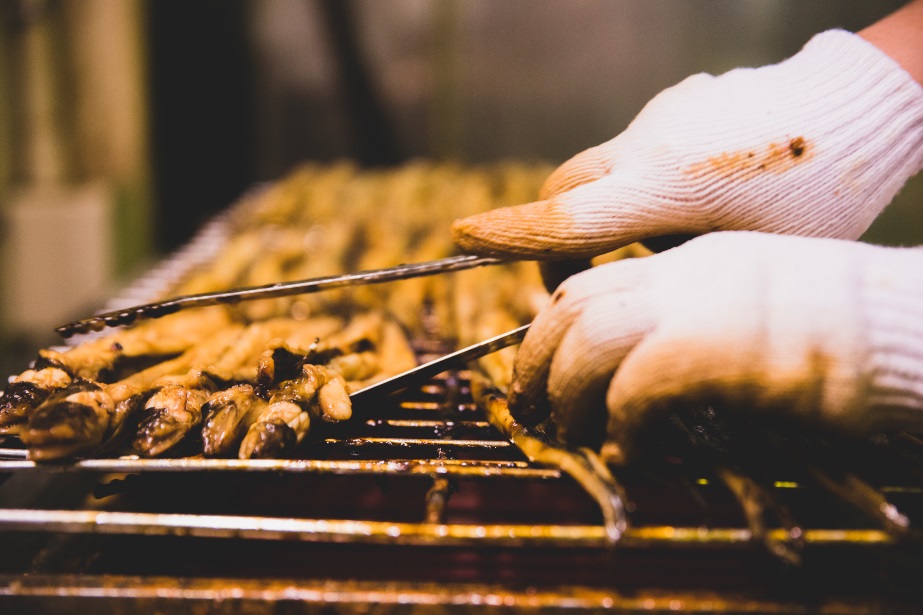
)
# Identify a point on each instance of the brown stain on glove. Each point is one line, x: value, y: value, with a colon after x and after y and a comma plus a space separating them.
x: 776, y: 158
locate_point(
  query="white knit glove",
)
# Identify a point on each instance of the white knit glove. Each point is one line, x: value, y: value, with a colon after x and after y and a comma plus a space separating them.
x: 826, y: 331
x: 816, y: 145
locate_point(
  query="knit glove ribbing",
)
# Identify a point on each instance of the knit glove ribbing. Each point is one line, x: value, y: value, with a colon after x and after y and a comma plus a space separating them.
x: 817, y: 145
x: 826, y: 331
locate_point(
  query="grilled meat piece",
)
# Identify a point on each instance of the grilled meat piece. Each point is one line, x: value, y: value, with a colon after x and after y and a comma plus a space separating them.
x: 171, y: 413
x: 26, y: 392
x: 318, y: 393
x: 277, y: 431
x: 228, y: 416
x: 71, y: 421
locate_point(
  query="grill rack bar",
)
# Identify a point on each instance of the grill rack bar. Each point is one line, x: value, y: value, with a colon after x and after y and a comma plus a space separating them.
x: 16, y: 461
x: 266, y: 596
x: 417, y: 534
x: 448, y: 467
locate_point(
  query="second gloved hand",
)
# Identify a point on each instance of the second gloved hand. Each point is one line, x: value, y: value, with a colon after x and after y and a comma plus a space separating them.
x: 817, y: 145
x: 829, y: 332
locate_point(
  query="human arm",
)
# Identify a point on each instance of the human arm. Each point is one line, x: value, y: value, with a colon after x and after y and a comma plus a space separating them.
x: 900, y: 36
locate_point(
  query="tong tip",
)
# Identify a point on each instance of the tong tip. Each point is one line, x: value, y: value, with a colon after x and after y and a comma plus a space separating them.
x: 117, y: 318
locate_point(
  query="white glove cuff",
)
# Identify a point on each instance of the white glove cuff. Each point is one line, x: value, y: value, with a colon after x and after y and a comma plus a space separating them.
x: 893, y: 298
x: 875, y: 110
x: 868, y: 85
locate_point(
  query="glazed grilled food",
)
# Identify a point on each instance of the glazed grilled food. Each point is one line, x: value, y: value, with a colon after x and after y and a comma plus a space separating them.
x: 250, y: 380
x: 212, y: 391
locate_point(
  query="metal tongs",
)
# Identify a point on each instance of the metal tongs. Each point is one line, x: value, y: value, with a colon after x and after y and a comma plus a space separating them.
x: 127, y: 316
x: 412, y: 377
x: 424, y: 372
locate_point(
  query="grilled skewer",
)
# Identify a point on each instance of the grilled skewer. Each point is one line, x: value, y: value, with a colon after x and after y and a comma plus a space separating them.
x: 81, y: 420
x: 97, y: 360
x: 176, y: 407
x: 92, y: 359
x: 25, y: 393
x: 319, y: 382
x: 318, y: 393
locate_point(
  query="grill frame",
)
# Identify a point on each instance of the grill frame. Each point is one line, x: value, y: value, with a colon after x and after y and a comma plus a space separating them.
x: 443, y: 465
x: 293, y: 595
x: 436, y: 414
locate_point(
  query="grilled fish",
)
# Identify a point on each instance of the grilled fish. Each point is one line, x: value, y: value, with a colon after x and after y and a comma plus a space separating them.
x: 26, y: 392
x: 228, y: 416
x: 71, y: 421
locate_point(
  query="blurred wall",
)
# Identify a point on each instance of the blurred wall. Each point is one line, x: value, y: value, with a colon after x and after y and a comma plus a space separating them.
x: 242, y: 90
x: 477, y: 80
x: 108, y: 106
x: 201, y: 80
x: 75, y: 187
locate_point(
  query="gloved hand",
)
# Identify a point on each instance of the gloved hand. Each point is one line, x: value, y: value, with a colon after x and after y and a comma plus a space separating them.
x: 827, y: 331
x: 816, y: 145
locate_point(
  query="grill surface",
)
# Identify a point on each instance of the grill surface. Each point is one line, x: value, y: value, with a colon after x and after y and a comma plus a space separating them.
x: 421, y: 504
x: 427, y: 505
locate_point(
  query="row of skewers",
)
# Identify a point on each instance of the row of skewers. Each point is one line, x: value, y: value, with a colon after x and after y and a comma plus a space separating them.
x: 247, y: 390
x: 250, y: 379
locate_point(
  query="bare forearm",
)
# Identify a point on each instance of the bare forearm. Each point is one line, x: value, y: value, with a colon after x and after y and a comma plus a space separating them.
x: 900, y: 35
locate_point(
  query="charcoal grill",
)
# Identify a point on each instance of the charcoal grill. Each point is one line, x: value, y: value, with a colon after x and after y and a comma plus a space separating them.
x: 428, y: 503
x: 425, y: 505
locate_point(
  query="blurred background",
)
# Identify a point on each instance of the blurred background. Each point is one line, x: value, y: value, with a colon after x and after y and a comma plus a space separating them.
x: 126, y: 124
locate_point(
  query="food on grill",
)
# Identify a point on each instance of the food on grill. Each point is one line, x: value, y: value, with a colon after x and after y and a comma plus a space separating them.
x: 26, y: 392
x: 89, y: 414
x: 224, y: 383
x: 102, y: 359
x: 70, y: 421
x: 277, y: 431
x: 176, y: 406
x: 171, y: 413
x: 240, y: 379
x: 316, y: 393
x: 228, y: 415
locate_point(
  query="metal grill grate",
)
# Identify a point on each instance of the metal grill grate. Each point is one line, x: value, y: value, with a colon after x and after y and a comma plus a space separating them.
x: 424, y: 488
x: 420, y: 502
x: 429, y: 490
x: 424, y: 436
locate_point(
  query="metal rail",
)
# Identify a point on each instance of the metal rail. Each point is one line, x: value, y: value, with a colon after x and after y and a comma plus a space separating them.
x: 417, y: 534
x: 135, y: 465
x: 122, y: 592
